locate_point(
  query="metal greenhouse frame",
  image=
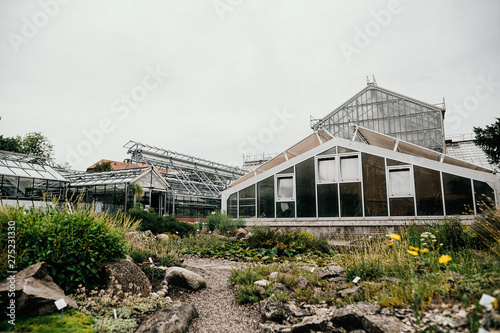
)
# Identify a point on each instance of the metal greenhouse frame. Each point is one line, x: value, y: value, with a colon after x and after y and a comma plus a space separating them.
x: 185, y: 174
x: 388, y: 112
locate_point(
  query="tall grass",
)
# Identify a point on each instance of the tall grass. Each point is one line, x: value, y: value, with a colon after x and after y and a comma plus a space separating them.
x: 487, y: 227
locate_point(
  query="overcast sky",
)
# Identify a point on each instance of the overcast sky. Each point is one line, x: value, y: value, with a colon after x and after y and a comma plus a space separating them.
x: 220, y: 78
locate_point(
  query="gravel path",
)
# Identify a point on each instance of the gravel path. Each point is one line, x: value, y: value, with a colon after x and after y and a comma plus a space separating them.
x: 217, y: 308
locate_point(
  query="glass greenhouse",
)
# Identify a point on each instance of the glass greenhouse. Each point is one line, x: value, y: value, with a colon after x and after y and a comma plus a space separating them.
x: 27, y: 180
x: 390, y: 113
x: 113, y: 190
x: 373, y: 178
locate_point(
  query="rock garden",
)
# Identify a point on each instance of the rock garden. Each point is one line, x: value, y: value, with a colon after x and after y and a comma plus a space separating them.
x: 137, y: 272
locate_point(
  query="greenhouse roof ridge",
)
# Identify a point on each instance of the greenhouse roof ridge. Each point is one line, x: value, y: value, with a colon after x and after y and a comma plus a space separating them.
x: 318, y: 123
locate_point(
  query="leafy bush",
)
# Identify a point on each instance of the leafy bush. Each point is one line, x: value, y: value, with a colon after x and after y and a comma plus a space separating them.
x: 159, y: 225
x: 286, y: 243
x: 223, y: 223
x: 74, y: 245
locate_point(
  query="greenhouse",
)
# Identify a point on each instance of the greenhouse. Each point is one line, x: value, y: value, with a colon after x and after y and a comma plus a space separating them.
x: 117, y: 190
x: 28, y: 180
x: 390, y: 113
x: 370, y: 179
x: 196, y: 183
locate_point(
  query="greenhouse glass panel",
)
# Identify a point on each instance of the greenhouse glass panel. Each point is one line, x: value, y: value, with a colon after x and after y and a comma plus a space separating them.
x: 305, y: 187
x: 40, y: 188
x: 285, y: 209
x: 247, y: 202
x: 374, y: 186
x: 328, y: 200
x: 457, y: 195
x: 484, y: 195
x: 331, y: 151
x: 350, y: 200
x: 349, y: 168
x: 232, y: 205
x: 265, y: 198
x: 402, y: 207
x: 326, y: 169
x: 288, y: 170
x: 428, y: 191
x: 25, y: 187
x: 285, y: 188
x: 9, y: 187
x: 6, y: 171
x: 400, y: 182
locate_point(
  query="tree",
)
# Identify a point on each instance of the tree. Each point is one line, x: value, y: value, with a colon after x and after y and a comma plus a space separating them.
x: 103, y: 166
x: 37, y: 144
x: 34, y: 143
x: 10, y: 144
x: 489, y: 141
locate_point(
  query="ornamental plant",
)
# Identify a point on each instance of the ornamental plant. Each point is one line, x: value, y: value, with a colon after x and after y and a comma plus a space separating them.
x: 75, y: 245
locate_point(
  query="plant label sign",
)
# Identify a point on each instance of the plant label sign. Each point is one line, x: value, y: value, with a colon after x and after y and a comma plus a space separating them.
x: 356, y: 279
x: 60, y: 304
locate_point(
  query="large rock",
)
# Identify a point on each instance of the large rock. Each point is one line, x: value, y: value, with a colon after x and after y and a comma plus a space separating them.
x: 331, y: 271
x: 240, y: 233
x: 163, y: 237
x: 367, y: 317
x: 172, y: 319
x: 184, y: 278
x: 35, y: 291
x: 123, y: 275
x: 274, y: 310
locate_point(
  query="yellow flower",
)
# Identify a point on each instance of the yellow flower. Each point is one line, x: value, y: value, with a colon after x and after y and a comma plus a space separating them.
x: 444, y: 259
x: 390, y: 244
x: 495, y: 304
x: 413, y: 253
x: 395, y: 236
x: 424, y: 250
x: 413, y: 248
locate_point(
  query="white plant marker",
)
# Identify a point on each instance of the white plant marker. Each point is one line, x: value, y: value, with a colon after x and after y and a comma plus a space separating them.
x: 114, y: 313
x: 150, y: 260
x: 487, y: 301
x: 61, y: 304
x: 356, y: 279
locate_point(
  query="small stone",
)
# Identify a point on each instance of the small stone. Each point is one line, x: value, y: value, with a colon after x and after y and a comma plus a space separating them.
x: 160, y: 293
x: 154, y: 295
x: 301, y: 283
x: 273, y: 276
x: 262, y: 283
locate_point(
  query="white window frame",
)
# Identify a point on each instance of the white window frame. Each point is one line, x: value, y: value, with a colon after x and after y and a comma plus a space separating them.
x: 339, y: 171
x: 412, y: 181
x: 335, y: 171
x: 276, y: 182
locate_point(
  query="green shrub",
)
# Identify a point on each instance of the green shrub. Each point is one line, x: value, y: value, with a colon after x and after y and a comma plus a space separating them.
x: 159, y: 225
x: 74, y: 245
x: 223, y: 223
x: 287, y: 243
